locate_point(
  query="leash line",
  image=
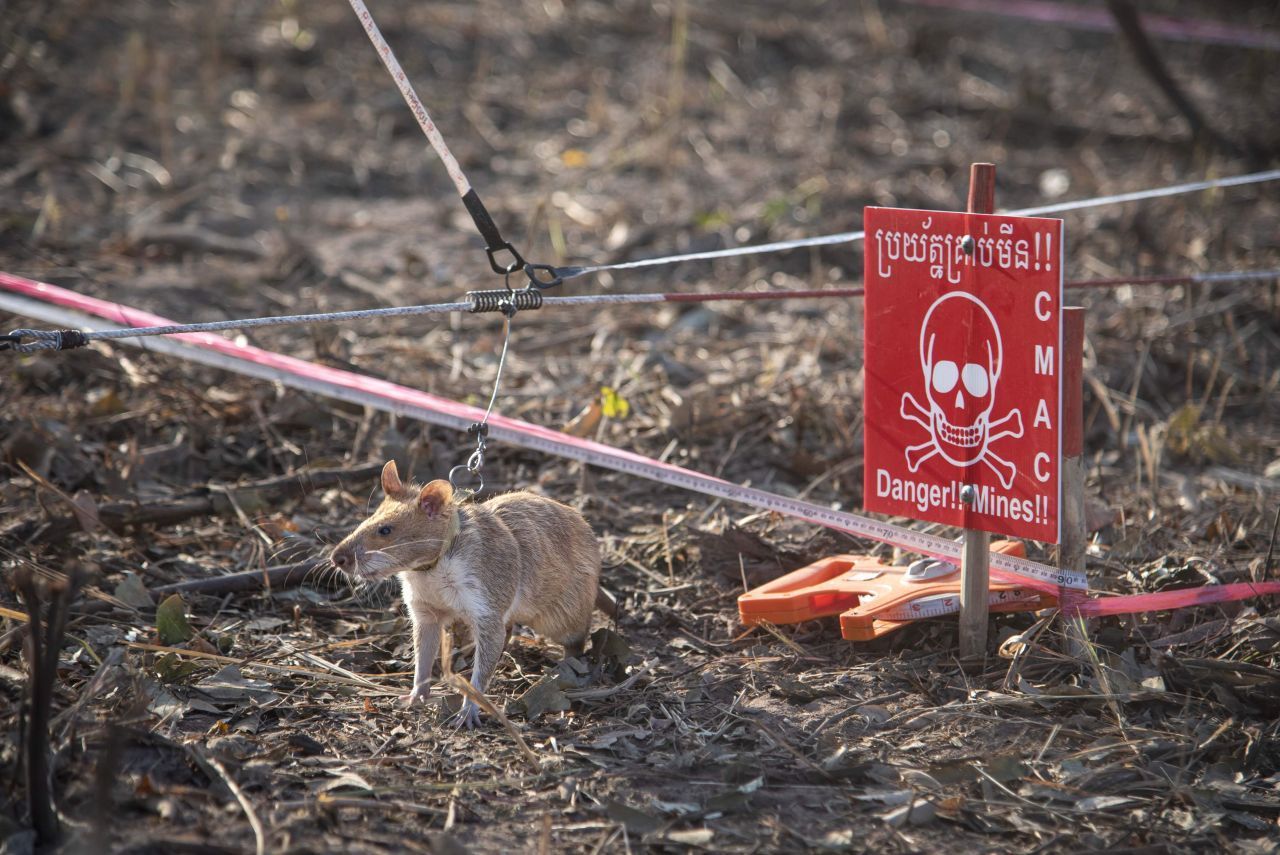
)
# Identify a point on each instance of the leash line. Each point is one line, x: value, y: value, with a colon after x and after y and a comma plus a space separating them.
x: 480, y: 430
x: 451, y: 166
x: 28, y: 340
x: 496, y: 247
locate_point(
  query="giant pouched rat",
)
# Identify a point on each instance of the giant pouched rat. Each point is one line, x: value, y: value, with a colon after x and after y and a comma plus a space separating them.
x: 516, y: 558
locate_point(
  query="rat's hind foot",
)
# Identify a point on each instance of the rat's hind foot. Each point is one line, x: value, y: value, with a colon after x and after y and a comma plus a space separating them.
x: 419, y: 695
x: 468, y: 717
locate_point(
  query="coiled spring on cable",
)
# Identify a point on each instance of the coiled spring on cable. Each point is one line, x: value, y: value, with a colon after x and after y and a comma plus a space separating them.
x: 499, y: 299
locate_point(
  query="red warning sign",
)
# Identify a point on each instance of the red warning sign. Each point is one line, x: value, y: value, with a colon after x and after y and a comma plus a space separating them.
x: 963, y: 344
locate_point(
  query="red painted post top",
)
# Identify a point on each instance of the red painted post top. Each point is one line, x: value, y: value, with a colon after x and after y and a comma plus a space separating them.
x: 982, y: 188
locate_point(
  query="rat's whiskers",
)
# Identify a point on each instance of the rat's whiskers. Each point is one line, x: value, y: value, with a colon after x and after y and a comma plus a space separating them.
x: 378, y: 564
x: 407, y: 543
x: 326, y: 576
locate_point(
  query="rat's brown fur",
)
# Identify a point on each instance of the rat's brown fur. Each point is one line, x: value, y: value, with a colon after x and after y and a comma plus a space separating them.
x: 516, y: 558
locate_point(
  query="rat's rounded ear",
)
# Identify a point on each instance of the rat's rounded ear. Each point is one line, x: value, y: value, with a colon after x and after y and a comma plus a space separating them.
x: 391, y: 479
x: 434, y: 497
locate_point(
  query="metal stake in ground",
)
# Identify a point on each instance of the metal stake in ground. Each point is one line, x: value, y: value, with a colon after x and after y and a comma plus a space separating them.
x: 975, y: 565
x: 1071, y: 552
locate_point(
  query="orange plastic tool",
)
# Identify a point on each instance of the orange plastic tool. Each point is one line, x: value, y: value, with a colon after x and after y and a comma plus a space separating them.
x: 874, y: 599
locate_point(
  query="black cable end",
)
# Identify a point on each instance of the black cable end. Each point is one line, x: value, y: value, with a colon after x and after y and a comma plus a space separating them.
x: 62, y: 339
x: 71, y: 339
x: 543, y: 276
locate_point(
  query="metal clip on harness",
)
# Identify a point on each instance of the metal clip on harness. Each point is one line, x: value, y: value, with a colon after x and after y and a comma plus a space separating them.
x: 508, y: 300
x: 504, y: 300
x: 474, y: 463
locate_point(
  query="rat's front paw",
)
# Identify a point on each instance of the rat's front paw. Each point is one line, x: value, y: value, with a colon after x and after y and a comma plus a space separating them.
x: 468, y: 717
x: 419, y: 694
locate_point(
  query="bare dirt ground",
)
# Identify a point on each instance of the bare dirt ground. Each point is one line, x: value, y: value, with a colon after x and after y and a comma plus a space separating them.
x: 225, y: 159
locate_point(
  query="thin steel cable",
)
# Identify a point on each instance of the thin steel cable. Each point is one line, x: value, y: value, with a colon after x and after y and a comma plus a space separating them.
x: 502, y: 361
x: 475, y: 463
x: 1153, y: 193
x: 566, y: 273
x: 1174, y: 279
x: 52, y: 339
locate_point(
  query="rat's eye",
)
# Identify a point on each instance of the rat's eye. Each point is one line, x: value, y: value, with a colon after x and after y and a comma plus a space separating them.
x: 384, y: 530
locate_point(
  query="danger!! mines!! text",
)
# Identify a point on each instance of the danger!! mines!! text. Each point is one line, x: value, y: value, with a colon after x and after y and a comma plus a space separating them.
x: 926, y: 496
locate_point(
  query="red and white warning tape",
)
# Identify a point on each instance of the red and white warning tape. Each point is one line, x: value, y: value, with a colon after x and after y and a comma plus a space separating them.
x: 390, y: 397
x: 1099, y: 19
x: 55, y: 305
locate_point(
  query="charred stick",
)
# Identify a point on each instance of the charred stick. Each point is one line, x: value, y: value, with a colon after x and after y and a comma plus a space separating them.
x: 1271, y: 546
x: 285, y: 576
x: 44, y: 816
x: 47, y: 609
x: 208, y: 501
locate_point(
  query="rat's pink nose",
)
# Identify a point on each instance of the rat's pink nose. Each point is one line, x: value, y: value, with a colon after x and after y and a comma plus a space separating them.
x: 341, y: 558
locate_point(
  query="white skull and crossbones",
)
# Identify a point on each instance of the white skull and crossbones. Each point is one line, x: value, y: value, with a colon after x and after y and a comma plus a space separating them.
x: 961, y: 392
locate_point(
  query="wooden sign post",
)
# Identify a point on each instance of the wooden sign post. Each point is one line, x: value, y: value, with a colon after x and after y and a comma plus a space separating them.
x: 975, y: 565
